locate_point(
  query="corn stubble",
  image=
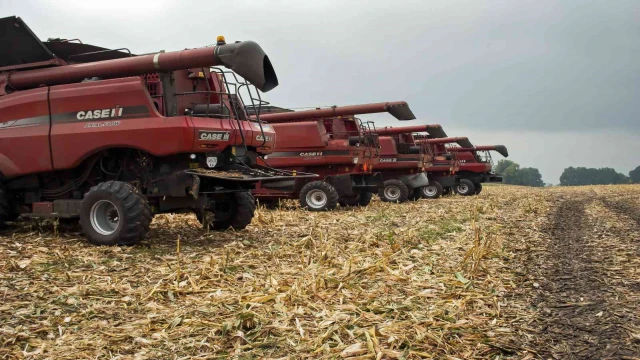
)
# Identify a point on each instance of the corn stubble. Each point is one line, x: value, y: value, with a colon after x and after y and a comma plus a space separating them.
x: 426, y: 279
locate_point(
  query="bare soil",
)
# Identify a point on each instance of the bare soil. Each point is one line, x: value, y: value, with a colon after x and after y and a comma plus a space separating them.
x: 584, y: 275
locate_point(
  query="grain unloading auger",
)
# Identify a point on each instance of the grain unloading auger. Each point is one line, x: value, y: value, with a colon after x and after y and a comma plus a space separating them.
x: 112, y: 138
x: 330, y: 142
x: 402, y: 161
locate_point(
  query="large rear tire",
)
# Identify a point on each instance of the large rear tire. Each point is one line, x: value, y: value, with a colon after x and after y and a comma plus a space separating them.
x: 465, y: 188
x: 318, y: 196
x: 432, y: 191
x: 394, y: 191
x: 115, y: 213
x: 235, y: 212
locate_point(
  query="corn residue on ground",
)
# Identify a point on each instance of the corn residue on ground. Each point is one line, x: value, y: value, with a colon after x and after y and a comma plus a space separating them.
x: 448, y: 278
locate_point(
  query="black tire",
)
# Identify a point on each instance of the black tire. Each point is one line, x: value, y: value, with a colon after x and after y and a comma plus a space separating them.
x: 236, y: 212
x: 5, y: 210
x: 318, y: 196
x: 465, y: 188
x: 360, y: 199
x: 415, y: 194
x: 432, y: 191
x: 269, y: 204
x: 122, y: 201
x: 365, y: 199
x: 394, y: 191
x: 478, y: 188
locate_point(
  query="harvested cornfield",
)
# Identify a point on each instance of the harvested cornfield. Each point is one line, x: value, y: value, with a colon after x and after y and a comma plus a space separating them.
x: 456, y: 277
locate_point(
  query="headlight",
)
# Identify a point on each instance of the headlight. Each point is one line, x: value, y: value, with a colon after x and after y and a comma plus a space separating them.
x: 355, y: 160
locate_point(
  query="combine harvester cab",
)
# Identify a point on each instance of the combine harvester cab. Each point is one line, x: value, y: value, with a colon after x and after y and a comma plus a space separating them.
x: 330, y: 142
x: 476, y: 167
x: 442, y: 172
x: 111, y: 138
x: 403, y: 160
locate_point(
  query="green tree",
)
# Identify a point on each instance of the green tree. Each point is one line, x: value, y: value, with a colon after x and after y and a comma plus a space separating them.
x: 514, y: 175
x: 531, y: 177
x: 502, y: 165
x: 635, y: 175
x: 591, y: 176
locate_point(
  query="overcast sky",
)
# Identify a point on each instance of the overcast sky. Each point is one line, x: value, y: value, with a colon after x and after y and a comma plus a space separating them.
x: 557, y: 82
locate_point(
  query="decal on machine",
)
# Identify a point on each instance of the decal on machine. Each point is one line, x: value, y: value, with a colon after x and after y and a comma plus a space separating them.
x: 264, y: 138
x: 213, y: 135
x: 100, y: 114
x: 311, y: 153
x: 117, y: 112
x: 102, y: 124
x: 212, y: 161
x: 388, y: 160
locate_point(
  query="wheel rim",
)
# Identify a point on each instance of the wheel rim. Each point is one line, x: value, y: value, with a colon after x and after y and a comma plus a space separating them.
x: 463, y: 188
x: 316, y: 199
x: 392, y: 192
x: 104, y: 217
x: 430, y: 190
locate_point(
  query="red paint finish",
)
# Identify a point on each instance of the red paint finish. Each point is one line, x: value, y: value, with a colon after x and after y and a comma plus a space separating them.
x: 387, y: 131
x: 331, y: 112
x: 26, y: 148
x: 317, y: 146
x: 24, y: 133
x: 169, y: 61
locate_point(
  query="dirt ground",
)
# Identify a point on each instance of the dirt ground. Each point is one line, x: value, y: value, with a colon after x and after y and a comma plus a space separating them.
x: 516, y: 273
x: 586, y: 277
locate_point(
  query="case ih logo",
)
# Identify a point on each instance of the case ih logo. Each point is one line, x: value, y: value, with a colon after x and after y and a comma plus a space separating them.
x: 312, y: 153
x: 214, y: 135
x: 99, y: 114
x: 388, y: 160
x: 265, y: 138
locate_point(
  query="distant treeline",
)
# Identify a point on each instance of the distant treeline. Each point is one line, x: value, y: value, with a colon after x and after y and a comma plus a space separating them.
x: 513, y: 174
x: 603, y: 176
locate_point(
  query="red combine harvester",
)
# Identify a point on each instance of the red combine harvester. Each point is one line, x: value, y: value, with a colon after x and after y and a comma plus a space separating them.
x: 402, y: 162
x: 442, y: 172
x: 330, y: 142
x: 110, y: 138
x: 476, y: 167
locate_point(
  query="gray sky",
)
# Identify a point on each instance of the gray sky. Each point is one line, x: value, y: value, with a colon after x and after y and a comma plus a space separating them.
x: 555, y: 81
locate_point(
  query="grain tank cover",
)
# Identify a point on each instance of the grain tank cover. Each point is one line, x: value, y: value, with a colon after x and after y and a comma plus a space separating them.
x: 19, y: 45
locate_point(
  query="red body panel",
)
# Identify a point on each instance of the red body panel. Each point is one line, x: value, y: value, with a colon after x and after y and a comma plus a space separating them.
x: 25, y: 146
x: 24, y: 133
x: 308, y: 146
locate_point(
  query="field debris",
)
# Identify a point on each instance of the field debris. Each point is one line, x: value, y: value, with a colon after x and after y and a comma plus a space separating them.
x: 426, y: 279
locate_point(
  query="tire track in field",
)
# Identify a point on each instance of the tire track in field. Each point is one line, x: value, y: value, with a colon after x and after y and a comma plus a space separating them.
x: 584, y: 309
